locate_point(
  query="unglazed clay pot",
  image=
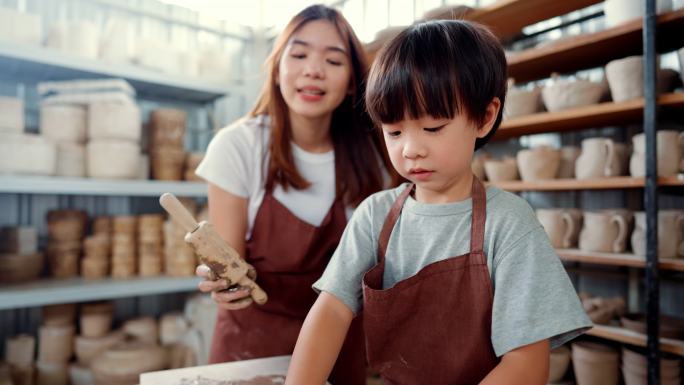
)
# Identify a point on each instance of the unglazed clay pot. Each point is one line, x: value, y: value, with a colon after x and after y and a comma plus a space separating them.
x: 521, y: 102
x: 568, y: 155
x: 501, y: 170
x: 539, y: 163
x: 598, y: 159
x: 560, y: 225
x: 558, y: 363
x: 567, y: 94
x: 622, y: 11
x: 670, y: 148
x: 595, y: 364
x: 603, y: 232
x: 626, y: 81
x: 670, y: 327
x: 670, y: 233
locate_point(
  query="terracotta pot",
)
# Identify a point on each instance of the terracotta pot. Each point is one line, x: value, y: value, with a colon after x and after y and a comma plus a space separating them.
x: 66, y: 225
x: 16, y: 268
x: 59, y: 315
x: 622, y: 11
x: 96, y: 319
x: 55, y: 344
x: 670, y: 150
x: 595, y: 364
x: 539, y: 163
x: 569, y: 155
x: 501, y: 170
x: 598, y: 159
x: 167, y: 127
x: 567, y: 94
x: 167, y: 163
x: 558, y: 363
x: 603, y: 232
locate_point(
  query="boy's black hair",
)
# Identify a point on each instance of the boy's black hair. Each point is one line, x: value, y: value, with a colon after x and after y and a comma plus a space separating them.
x: 438, y: 68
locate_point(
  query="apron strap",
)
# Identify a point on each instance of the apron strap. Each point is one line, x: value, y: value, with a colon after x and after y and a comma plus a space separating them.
x: 477, y: 227
x: 390, y: 221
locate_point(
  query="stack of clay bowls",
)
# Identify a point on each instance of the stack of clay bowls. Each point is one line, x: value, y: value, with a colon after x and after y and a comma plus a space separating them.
x: 179, y: 257
x: 97, y: 250
x: 55, y: 344
x: 192, y: 160
x: 19, y: 257
x: 150, y: 244
x: 595, y: 364
x: 65, y: 125
x: 123, y: 246
x: 635, y: 369
x: 502, y: 170
x: 167, y: 133
x: 19, y: 354
x: 66, y: 229
x: 539, y: 163
x: 521, y: 102
x: 566, y: 94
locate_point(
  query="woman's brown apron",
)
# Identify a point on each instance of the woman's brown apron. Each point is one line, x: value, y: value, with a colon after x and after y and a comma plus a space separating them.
x: 289, y: 255
x: 434, y: 327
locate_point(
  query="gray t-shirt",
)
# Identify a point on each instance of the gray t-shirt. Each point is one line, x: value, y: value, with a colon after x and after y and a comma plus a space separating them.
x: 533, y: 296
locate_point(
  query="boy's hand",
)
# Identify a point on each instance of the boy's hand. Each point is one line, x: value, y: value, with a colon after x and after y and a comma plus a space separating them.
x: 226, y: 297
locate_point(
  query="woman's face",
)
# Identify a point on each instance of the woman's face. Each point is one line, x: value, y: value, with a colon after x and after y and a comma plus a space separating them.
x: 315, y: 70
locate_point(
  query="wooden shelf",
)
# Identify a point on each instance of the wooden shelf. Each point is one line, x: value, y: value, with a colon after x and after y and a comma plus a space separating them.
x: 618, y: 182
x: 617, y: 259
x: 598, y: 115
x: 594, y: 49
x: 619, y: 334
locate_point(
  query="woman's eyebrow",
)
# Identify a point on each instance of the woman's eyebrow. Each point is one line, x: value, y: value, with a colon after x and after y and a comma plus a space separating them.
x: 328, y: 48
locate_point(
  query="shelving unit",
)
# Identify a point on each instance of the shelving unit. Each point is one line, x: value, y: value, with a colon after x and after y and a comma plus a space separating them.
x: 594, y: 49
x: 620, y: 334
x: 585, y: 117
x: 618, y: 259
x: 98, y: 187
x: 55, y: 291
x: 618, y: 182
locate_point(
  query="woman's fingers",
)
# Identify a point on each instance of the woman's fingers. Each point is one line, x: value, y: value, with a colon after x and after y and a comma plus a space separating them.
x: 232, y: 300
x: 212, y: 286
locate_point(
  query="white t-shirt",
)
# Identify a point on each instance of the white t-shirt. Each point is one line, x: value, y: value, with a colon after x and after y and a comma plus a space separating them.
x: 237, y: 161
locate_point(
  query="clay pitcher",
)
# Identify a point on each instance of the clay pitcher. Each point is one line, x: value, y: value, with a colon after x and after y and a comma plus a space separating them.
x: 670, y: 147
x: 603, y: 232
x: 539, y: 163
x: 670, y: 233
x: 559, y: 226
x: 598, y: 159
x: 569, y: 155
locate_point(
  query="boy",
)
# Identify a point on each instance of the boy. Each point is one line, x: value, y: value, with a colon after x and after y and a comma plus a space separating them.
x: 456, y: 284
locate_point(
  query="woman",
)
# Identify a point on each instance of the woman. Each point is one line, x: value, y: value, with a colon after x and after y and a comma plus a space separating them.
x: 283, y: 182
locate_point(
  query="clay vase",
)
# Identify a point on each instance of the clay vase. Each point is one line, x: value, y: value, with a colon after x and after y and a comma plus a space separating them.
x: 567, y: 94
x: 569, y: 155
x: 558, y: 363
x: 595, y: 364
x: 603, y: 232
x: 501, y: 170
x: 670, y: 234
x: 559, y: 225
x: 598, y: 159
x: 670, y: 148
x: 622, y: 11
x: 539, y: 163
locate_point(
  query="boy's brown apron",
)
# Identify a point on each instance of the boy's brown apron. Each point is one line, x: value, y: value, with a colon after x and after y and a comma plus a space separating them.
x: 434, y: 327
x: 289, y: 255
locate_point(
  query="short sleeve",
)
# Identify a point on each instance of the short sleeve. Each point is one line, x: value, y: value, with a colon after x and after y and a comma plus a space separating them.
x: 228, y: 162
x: 533, y: 296
x: 355, y: 254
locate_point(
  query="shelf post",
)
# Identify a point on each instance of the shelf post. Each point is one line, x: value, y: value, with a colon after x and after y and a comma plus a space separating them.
x: 651, y: 194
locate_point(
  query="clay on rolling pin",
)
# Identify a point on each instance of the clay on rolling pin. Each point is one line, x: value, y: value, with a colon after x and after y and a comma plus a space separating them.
x: 259, y: 380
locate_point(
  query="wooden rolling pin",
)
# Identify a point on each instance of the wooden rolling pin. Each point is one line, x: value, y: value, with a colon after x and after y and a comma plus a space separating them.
x: 223, y: 261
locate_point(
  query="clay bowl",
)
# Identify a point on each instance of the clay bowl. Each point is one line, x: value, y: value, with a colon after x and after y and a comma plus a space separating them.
x: 670, y: 327
x: 567, y: 94
x: 539, y: 163
x: 521, y: 102
x: 501, y: 170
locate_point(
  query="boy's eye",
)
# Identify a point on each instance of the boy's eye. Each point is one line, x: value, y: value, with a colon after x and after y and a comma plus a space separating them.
x: 393, y: 133
x: 433, y: 129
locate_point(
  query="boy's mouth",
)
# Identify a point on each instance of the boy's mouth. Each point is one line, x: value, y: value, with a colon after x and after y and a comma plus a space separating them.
x: 420, y: 173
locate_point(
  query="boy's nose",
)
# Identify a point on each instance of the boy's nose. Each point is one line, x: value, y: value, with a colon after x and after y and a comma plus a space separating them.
x: 413, y: 149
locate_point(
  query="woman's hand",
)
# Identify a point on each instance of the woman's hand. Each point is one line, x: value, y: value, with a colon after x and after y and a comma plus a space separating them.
x: 226, y: 297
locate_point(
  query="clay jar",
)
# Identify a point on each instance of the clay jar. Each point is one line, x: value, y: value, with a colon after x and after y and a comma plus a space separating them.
x: 538, y: 163
x: 603, y: 232
x: 670, y: 147
x: 561, y: 225
x: 501, y: 170
x: 598, y: 159
x: 568, y: 155
x: 595, y: 364
x: 670, y: 233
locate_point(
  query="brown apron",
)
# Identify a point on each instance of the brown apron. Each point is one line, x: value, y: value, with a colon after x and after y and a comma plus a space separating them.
x: 434, y: 327
x: 289, y: 255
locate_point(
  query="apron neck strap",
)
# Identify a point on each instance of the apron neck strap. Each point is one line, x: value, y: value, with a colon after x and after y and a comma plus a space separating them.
x: 391, y: 220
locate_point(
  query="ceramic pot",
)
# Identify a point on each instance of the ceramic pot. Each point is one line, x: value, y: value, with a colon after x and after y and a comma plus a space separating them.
x: 560, y: 225
x: 598, y: 159
x: 521, y: 102
x: 595, y: 364
x: 501, y: 170
x: 625, y: 78
x: 568, y: 155
x: 539, y: 163
x: 567, y: 94
x: 603, y: 232
x: 670, y: 233
x: 622, y: 11
x: 670, y: 149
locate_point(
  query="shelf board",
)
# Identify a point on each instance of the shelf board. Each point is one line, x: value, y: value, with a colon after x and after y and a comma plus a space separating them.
x: 594, y: 49
x: 612, y: 183
x: 507, y: 18
x: 20, y: 184
x: 54, y: 291
x: 620, y: 334
x: 21, y: 62
x: 617, y: 259
x: 597, y: 115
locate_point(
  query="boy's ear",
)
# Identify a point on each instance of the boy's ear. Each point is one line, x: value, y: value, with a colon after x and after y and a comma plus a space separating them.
x: 490, y: 117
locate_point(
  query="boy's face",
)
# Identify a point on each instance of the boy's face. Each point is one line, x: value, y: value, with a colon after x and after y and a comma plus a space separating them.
x: 435, y: 154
